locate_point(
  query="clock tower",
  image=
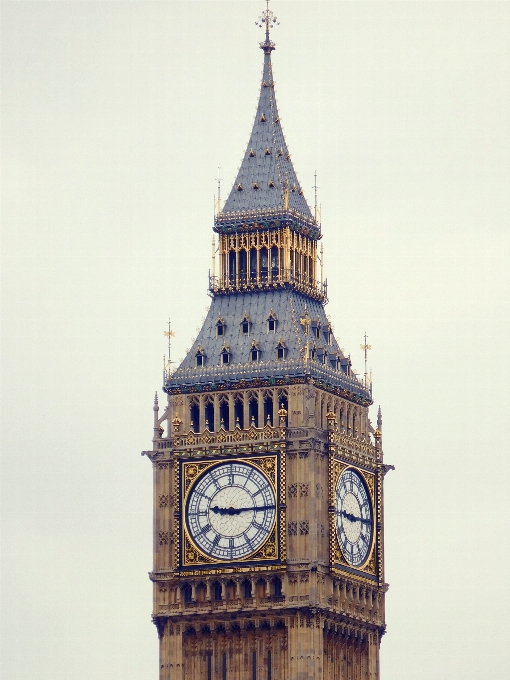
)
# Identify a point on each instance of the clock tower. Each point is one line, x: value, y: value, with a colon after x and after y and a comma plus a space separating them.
x: 268, y: 474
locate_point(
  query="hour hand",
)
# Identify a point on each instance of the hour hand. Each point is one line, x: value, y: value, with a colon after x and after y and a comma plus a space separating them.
x: 353, y: 518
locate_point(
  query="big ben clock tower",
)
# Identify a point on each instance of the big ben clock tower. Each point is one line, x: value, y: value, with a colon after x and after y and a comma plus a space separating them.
x: 268, y: 474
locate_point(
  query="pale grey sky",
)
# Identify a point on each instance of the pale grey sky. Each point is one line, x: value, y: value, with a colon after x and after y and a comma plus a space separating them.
x: 115, y: 116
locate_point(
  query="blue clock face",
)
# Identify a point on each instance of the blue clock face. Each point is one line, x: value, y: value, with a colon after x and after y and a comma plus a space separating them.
x: 231, y: 511
x: 354, y: 523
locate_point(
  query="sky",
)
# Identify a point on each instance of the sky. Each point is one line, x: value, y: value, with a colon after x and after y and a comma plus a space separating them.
x: 115, y: 118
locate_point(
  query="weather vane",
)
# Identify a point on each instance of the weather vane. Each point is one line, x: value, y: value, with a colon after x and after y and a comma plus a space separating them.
x: 267, y: 19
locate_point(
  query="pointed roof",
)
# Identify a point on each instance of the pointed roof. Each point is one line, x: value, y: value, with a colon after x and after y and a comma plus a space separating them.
x: 266, y: 178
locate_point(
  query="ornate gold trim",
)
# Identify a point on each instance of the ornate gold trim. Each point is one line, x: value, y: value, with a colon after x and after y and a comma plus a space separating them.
x: 191, y: 472
x: 369, y: 566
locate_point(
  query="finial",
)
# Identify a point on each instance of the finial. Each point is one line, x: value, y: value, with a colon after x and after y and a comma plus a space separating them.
x: 267, y: 19
x: 155, y: 400
x: 219, y: 189
x: 365, y: 348
x: 316, y: 206
x: 169, y: 334
x: 379, y: 420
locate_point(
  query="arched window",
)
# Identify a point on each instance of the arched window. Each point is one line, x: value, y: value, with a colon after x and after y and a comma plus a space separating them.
x: 209, y: 416
x: 274, y: 262
x: 253, y: 264
x: 187, y: 592
x: 200, y: 357
x: 271, y: 322
x: 254, y: 352
x: 194, y: 416
x: 242, y: 266
x: 217, y: 591
x: 268, y: 409
x: 239, y: 412
x: 281, y: 350
x: 263, y: 264
x: 245, y: 324
x: 254, y: 411
x: 232, y: 266
x: 220, y: 327
x: 277, y: 587
x: 247, y: 589
x: 224, y: 414
x: 225, y: 355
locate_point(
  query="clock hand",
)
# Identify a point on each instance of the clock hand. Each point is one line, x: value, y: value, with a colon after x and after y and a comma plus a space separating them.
x: 237, y: 511
x: 353, y: 518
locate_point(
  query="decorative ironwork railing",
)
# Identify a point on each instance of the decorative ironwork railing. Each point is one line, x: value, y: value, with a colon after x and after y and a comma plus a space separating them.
x: 276, y: 368
x: 265, y: 280
x: 260, y: 215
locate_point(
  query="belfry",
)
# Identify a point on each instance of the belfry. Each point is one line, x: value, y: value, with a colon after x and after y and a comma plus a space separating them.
x: 268, y: 474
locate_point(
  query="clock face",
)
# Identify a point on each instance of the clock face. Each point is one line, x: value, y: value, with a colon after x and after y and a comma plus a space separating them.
x: 231, y: 511
x: 354, y: 523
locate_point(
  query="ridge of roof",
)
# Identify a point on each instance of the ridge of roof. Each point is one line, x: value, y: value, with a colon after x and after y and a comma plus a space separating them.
x: 266, y: 178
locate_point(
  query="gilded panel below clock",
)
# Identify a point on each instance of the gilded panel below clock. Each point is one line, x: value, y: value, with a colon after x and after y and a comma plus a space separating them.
x: 229, y: 511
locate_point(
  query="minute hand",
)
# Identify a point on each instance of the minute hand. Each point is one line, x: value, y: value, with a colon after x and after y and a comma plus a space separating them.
x: 353, y: 518
x: 237, y: 511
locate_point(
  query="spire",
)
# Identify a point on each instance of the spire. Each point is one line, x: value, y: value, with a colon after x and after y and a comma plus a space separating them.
x: 266, y: 178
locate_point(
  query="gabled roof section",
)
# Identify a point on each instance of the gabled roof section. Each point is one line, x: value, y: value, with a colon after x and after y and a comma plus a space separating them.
x: 266, y: 178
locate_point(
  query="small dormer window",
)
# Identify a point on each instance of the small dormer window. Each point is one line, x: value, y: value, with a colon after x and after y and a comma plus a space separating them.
x: 245, y: 325
x: 281, y: 350
x: 239, y: 187
x: 255, y: 185
x: 271, y: 322
x: 252, y: 153
x: 328, y: 334
x: 271, y: 184
x: 333, y: 360
x: 316, y: 329
x: 220, y: 327
x: 254, y: 352
x: 262, y: 118
x: 200, y: 357
x: 267, y: 152
x: 293, y: 188
x: 225, y: 355
x: 276, y: 120
x: 280, y: 152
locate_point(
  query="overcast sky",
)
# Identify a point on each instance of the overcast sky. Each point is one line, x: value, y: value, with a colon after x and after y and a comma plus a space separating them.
x: 115, y: 117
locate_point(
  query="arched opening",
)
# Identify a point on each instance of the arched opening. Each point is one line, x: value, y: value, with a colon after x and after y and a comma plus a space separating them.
x: 246, y: 588
x: 277, y: 587
x: 239, y: 412
x: 253, y: 264
x: 230, y: 591
x: 268, y: 410
x: 224, y: 414
x: 274, y: 261
x: 260, y: 588
x: 263, y: 264
x: 186, y: 593
x: 217, y: 591
x: 242, y: 266
x: 254, y: 411
x: 209, y: 416
x: 201, y: 592
x: 232, y: 266
x: 194, y: 416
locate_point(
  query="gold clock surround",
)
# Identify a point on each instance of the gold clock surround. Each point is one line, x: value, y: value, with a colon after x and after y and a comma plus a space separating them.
x: 190, y: 553
x: 337, y: 557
